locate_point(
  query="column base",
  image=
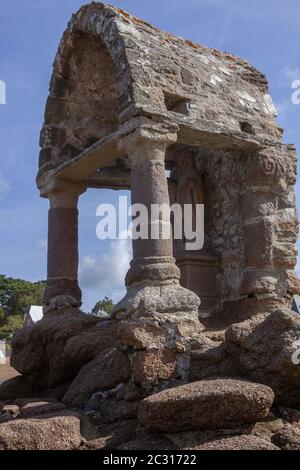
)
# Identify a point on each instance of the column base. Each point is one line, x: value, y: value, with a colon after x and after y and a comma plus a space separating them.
x: 153, y: 269
x: 60, y: 293
x: 169, y: 302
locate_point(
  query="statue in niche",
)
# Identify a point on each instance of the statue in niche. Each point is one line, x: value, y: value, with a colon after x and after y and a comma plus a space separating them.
x: 189, y: 189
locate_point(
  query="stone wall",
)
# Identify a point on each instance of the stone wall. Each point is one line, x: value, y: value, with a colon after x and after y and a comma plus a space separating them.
x: 251, y: 221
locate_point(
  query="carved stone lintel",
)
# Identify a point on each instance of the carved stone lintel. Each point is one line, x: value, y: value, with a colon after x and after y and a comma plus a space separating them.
x: 149, y: 141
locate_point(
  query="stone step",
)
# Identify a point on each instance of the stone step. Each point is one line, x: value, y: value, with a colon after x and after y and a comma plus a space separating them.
x: 207, y: 404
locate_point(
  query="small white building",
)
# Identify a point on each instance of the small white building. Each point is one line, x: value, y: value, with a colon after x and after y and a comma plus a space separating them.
x: 34, y: 315
x: 2, y: 353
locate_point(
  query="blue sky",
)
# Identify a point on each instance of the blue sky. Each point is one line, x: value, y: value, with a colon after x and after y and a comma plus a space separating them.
x: 265, y: 32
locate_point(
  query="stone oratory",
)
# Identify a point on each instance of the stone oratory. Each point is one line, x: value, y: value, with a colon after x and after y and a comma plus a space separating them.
x: 132, y: 107
x: 127, y: 102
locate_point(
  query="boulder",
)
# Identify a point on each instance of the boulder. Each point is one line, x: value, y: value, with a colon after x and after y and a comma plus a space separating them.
x: 110, y: 410
x: 207, y: 404
x: 52, y: 351
x: 107, y: 436
x: 28, y: 408
x: 17, y: 387
x: 264, y: 349
x: 202, y: 441
x: 209, y: 358
x: 148, y: 443
x: 143, y: 333
x: 33, y: 408
x: 288, y: 438
x: 106, y: 371
x: 48, y: 432
x: 267, y: 429
x: 289, y: 415
x: 8, y: 411
x: 241, y: 442
x: 154, y: 364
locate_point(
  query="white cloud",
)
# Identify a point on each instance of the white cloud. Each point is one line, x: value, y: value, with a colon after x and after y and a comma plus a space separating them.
x: 104, y: 275
x: 4, y: 186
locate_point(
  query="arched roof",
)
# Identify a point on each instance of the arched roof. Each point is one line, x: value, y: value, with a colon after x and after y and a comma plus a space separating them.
x: 112, y: 67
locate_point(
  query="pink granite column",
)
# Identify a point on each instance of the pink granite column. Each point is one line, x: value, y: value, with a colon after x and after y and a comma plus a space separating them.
x: 62, y: 266
x: 152, y: 258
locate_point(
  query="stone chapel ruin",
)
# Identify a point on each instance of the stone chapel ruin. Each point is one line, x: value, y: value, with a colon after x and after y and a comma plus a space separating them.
x: 128, y: 102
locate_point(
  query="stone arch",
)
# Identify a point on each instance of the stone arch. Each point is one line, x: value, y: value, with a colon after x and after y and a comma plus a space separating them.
x: 89, y: 88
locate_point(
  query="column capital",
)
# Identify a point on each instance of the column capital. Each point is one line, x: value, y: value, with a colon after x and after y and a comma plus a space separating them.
x: 63, y: 194
x: 149, y: 141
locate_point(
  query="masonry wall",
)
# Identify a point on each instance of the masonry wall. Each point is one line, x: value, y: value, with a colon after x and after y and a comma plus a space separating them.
x: 251, y: 222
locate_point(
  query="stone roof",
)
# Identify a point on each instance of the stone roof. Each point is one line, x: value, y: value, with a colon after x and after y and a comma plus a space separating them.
x: 112, y: 68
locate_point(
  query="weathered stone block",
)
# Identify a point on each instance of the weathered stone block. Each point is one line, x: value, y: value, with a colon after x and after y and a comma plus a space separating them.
x: 55, y: 111
x: 258, y: 281
x: 187, y: 76
x: 143, y: 334
x: 264, y: 349
x: 293, y: 283
x: 52, y: 136
x: 258, y: 204
x: 154, y: 364
x: 53, y: 351
x: 258, y: 240
x: 208, y: 404
x: 105, y: 372
x: 285, y: 255
x: 50, y: 433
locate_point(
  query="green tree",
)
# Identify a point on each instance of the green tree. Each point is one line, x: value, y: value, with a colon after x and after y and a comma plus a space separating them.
x: 105, y: 304
x: 2, y: 316
x: 16, y: 295
x: 13, y: 324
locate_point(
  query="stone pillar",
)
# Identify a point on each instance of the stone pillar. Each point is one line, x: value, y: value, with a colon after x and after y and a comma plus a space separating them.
x: 62, y: 264
x: 152, y: 258
x: 153, y: 266
x: 269, y: 210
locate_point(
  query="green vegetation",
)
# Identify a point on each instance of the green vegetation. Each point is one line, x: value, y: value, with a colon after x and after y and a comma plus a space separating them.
x: 16, y: 296
x: 105, y: 304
